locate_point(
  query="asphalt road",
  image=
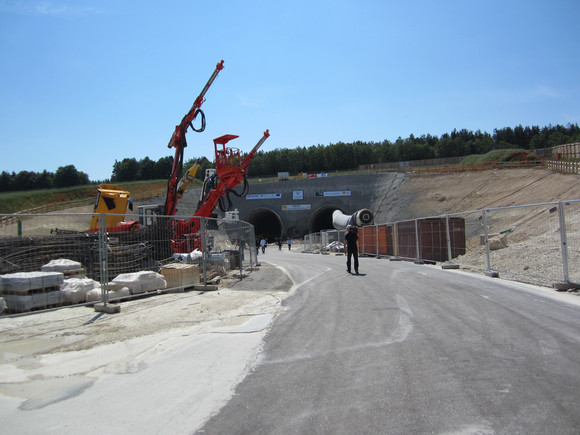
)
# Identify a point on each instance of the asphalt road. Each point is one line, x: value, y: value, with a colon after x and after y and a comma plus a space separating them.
x: 407, y: 348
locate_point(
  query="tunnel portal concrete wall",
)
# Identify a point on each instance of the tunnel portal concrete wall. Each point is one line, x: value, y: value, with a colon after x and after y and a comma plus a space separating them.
x: 301, y: 206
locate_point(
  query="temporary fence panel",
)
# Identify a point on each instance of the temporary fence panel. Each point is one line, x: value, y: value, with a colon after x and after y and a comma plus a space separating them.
x: 571, y: 216
x: 33, y: 243
x: 407, y: 240
x: 431, y: 239
x: 385, y: 239
x: 525, y: 240
x: 307, y: 243
x: 368, y: 240
x: 441, y: 239
x: 29, y: 241
x: 332, y: 240
x: 538, y: 242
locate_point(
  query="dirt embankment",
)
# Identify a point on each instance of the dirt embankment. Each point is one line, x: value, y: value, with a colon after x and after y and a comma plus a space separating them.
x: 434, y: 194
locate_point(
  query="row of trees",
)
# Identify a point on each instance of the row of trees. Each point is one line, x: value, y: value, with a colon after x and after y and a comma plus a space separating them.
x: 130, y: 169
x: 65, y: 176
x: 333, y: 157
x: 341, y: 156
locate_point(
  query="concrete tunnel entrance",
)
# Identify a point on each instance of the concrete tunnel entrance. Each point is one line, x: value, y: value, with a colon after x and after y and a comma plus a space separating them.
x: 266, y: 224
x: 322, y: 219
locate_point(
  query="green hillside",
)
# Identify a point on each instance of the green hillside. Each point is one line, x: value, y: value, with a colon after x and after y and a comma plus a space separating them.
x: 55, y: 199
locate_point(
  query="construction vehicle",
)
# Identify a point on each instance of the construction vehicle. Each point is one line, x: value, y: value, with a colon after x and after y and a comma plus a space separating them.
x: 230, y: 172
x: 113, y: 201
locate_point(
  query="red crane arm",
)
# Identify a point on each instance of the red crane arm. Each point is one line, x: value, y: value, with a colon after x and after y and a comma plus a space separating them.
x: 231, y: 169
x: 179, y: 143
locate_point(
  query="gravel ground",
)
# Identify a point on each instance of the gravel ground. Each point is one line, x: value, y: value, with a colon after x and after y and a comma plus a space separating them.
x: 79, y: 328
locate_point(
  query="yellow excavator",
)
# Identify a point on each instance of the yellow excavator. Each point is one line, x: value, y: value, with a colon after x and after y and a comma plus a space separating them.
x: 113, y: 201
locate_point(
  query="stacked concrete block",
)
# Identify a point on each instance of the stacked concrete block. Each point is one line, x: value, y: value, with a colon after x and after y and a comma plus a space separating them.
x: 28, y: 291
x: 70, y: 268
x: 141, y: 282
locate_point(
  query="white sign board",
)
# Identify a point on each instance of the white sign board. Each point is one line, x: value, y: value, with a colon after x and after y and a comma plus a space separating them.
x: 264, y: 196
x: 296, y: 207
x: 333, y: 193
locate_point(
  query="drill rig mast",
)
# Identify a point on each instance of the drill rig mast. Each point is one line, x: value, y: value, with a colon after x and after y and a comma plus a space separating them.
x: 231, y: 170
x: 179, y: 142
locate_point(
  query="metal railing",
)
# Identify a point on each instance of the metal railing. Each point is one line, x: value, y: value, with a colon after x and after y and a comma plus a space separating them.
x: 91, y: 261
x: 537, y: 243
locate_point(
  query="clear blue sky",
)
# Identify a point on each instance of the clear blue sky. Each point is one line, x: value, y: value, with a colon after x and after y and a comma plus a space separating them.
x: 88, y: 82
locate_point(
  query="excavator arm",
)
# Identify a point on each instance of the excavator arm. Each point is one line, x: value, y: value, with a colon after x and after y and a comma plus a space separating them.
x: 187, y: 179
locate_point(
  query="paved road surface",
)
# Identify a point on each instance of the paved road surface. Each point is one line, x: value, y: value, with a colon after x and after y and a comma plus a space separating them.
x: 407, y: 349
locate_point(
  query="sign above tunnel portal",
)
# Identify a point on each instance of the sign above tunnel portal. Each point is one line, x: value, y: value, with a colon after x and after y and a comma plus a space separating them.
x: 290, y: 207
x: 264, y: 196
x: 333, y: 193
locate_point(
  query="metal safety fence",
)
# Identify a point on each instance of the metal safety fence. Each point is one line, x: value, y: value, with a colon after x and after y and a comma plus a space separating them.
x: 537, y: 243
x: 55, y: 259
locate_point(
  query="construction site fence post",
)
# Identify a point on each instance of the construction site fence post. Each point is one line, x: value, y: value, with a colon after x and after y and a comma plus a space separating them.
x: 563, y: 240
x: 377, y: 239
x: 396, y: 240
x: 448, y: 238
x: 486, y: 235
x: 417, y: 250
x: 103, y: 260
x: 240, y: 249
x: 203, y: 249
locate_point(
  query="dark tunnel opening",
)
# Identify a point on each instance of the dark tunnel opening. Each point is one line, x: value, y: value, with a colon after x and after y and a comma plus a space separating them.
x: 322, y: 219
x: 266, y: 224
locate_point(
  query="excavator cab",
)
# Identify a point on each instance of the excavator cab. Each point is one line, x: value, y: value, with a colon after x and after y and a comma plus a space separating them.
x: 113, y: 201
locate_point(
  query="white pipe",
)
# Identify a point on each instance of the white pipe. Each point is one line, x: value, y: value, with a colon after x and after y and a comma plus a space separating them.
x: 360, y: 218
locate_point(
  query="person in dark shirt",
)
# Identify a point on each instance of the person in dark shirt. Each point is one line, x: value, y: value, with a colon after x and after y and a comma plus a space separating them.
x: 351, y: 248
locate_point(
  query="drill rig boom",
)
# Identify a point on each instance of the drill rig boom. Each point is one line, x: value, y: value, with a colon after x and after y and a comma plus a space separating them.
x: 231, y: 170
x: 179, y: 142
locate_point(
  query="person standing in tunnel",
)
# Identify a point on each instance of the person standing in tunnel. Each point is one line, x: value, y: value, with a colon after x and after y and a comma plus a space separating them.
x: 351, y: 248
x: 263, y: 244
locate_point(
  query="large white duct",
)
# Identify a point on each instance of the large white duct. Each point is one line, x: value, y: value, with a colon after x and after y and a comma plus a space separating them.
x: 359, y: 218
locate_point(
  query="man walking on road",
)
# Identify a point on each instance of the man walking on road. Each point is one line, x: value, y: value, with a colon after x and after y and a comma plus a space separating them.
x: 351, y: 248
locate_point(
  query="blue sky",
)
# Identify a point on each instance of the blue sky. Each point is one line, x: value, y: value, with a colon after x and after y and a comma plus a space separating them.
x: 90, y: 82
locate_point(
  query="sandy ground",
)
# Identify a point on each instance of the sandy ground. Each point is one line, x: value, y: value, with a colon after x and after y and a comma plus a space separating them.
x: 49, y: 357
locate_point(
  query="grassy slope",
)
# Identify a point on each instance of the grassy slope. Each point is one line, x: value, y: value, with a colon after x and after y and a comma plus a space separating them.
x: 14, y: 202
x: 498, y: 156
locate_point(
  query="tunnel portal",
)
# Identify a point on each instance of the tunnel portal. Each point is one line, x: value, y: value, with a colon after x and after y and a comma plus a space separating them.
x: 322, y: 219
x: 267, y: 224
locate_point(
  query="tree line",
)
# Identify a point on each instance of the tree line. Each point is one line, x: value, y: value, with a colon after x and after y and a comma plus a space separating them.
x: 65, y: 176
x: 344, y: 156
x: 319, y: 158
